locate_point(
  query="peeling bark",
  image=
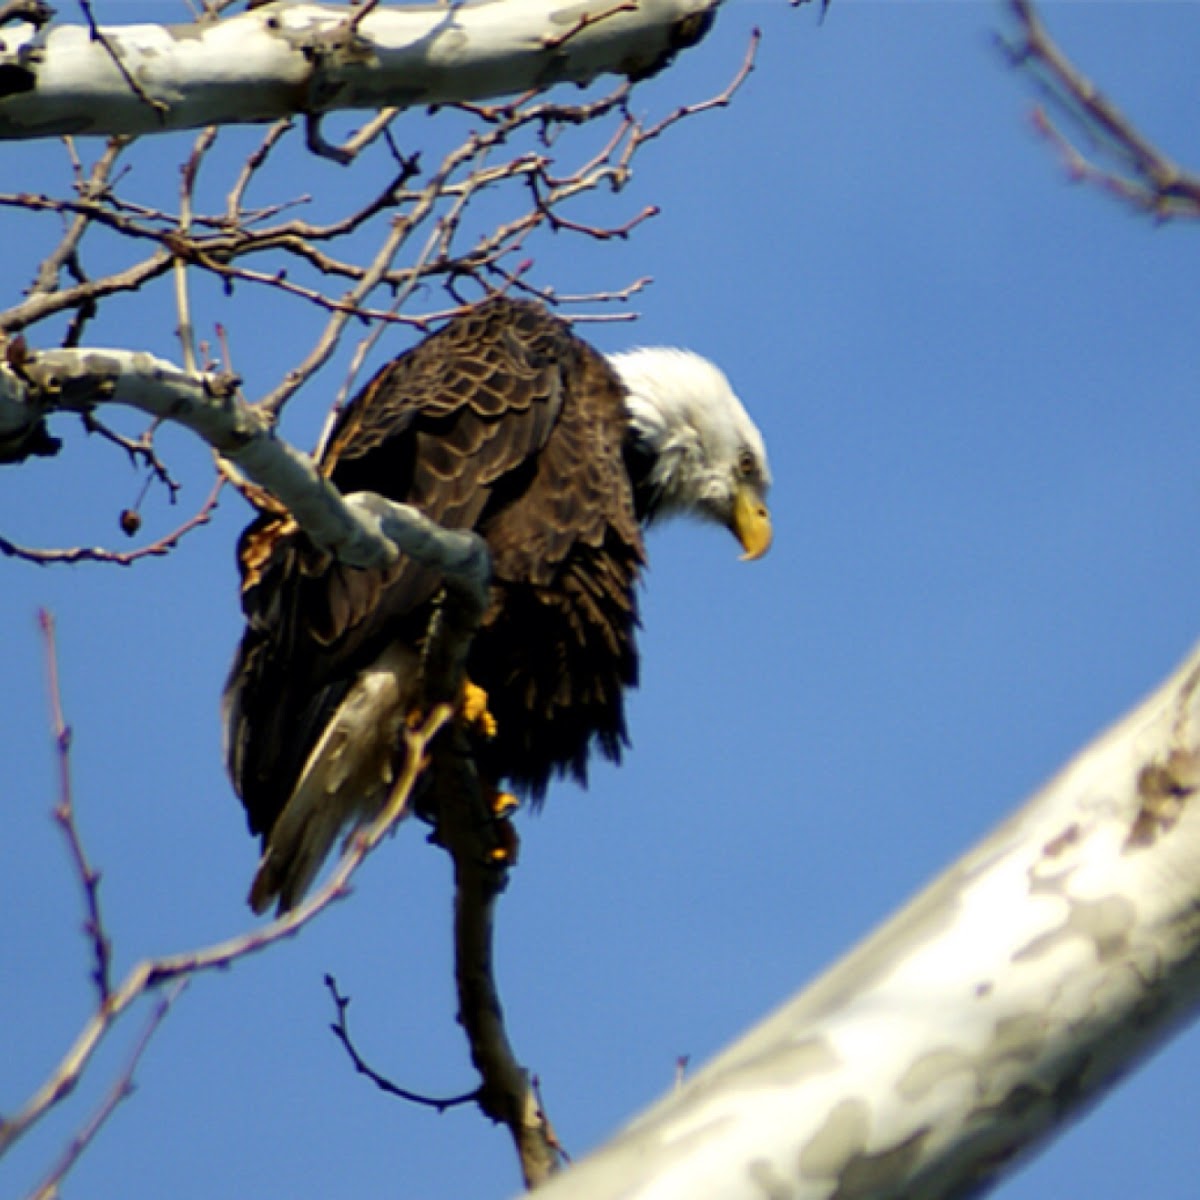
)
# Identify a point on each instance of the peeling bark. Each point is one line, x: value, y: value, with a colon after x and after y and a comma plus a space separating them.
x: 280, y: 59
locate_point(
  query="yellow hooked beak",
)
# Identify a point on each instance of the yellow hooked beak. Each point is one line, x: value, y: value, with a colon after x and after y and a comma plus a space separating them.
x: 751, y: 523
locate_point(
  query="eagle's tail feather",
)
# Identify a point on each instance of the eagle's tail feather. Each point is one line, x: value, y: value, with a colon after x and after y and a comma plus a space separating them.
x: 345, y: 782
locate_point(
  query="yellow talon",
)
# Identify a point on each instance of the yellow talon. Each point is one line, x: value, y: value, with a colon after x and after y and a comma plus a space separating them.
x: 504, y: 804
x: 508, y: 847
x: 474, y: 707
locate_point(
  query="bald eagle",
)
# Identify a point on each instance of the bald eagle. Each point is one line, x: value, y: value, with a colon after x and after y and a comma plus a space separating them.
x: 506, y: 423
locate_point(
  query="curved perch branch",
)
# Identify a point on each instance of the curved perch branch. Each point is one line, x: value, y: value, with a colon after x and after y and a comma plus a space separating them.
x: 362, y: 530
x: 472, y: 837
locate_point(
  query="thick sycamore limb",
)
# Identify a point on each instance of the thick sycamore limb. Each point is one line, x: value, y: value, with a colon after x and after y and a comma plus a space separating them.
x: 980, y: 1019
x: 287, y: 59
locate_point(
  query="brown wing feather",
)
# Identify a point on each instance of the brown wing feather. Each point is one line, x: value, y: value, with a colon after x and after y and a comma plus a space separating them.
x: 557, y: 649
x: 502, y: 421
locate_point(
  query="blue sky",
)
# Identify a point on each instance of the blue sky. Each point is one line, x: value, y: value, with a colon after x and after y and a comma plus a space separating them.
x: 977, y: 384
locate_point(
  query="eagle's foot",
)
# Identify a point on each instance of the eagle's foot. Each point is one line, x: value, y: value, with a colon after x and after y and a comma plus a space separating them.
x: 475, y: 712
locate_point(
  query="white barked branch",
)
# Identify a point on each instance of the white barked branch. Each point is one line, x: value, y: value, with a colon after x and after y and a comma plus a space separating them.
x: 979, y: 1020
x: 362, y: 529
x: 283, y: 59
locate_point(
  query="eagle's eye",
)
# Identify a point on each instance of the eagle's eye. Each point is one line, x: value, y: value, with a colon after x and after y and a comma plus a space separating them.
x: 747, y: 465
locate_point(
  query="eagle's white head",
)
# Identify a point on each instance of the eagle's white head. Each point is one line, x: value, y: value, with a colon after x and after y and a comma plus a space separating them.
x: 693, y: 447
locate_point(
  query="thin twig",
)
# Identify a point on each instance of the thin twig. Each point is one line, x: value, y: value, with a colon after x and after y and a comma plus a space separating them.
x: 89, y: 292
x: 121, y: 1089
x: 341, y: 1030
x: 1144, y: 176
x: 98, y: 35
x: 187, y: 187
x: 586, y: 22
x: 253, y: 164
x: 721, y: 100
x: 548, y: 295
x: 154, y: 972
x: 120, y: 558
x: 356, y: 18
x: 68, y: 248
x: 140, y: 450
x: 374, y: 128
x: 64, y: 817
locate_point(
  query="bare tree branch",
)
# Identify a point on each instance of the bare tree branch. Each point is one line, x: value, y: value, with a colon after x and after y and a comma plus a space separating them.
x: 151, y: 974
x: 121, y: 1089
x: 481, y: 847
x: 363, y: 529
x: 433, y: 207
x: 980, y: 1019
x: 130, y: 80
x: 64, y: 816
x: 121, y: 558
x: 1141, y: 174
x: 139, y: 79
x: 341, y: 1030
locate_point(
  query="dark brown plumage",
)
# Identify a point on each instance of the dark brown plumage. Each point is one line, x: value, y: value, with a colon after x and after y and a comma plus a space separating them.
x: 503, y: 422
